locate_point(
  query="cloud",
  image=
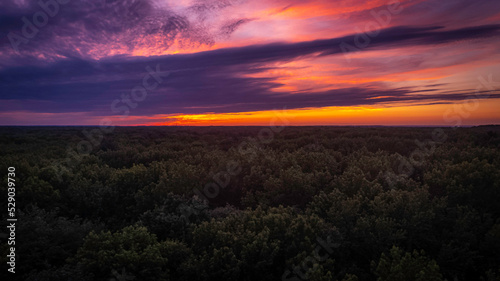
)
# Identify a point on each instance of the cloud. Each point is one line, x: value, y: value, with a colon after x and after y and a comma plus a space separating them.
x: 218, y: 81
x: 229, y: 27
x: 90, y: 29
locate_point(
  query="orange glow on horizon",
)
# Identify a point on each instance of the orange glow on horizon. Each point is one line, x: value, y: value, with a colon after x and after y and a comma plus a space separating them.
x: 418, y: 115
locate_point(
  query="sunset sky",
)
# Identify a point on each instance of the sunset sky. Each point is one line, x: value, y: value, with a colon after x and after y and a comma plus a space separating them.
x: 242, y: 62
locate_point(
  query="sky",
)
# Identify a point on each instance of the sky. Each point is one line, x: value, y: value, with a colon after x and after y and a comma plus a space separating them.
x: 250, y: 62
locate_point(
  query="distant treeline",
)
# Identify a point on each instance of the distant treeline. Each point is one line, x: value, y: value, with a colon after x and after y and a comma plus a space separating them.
x: 254, y: 203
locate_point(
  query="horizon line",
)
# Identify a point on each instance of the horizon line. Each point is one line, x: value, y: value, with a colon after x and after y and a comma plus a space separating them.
x: 208, y: 126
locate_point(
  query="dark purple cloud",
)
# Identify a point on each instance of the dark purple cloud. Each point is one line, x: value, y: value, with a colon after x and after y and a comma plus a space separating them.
x: 89, y: 29
x: 214, y: 81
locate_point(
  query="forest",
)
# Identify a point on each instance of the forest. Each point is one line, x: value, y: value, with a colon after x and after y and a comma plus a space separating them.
x: 253, y: 203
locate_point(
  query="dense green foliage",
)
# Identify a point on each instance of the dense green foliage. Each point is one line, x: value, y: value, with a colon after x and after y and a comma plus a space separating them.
x: 223, y: 203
